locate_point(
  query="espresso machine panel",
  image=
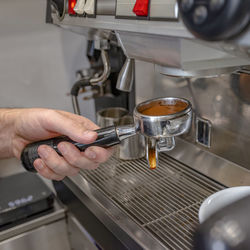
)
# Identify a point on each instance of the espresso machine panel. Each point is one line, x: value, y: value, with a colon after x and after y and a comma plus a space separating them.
x: 154, y: 9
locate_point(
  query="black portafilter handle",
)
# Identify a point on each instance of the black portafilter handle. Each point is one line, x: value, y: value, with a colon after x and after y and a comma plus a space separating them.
x: 226, y: 229
x: 107, y: 137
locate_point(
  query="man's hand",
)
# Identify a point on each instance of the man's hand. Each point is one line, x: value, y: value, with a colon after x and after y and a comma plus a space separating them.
x: 23, y: 126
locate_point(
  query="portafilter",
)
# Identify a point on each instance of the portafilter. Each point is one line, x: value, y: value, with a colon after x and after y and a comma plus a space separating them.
x: 159, y: 120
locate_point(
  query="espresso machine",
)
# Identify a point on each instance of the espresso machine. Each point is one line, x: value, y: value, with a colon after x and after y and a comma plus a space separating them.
x: 191, y: 50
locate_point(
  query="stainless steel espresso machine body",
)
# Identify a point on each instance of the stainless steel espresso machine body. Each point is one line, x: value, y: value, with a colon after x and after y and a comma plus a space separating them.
x: 193, y: 50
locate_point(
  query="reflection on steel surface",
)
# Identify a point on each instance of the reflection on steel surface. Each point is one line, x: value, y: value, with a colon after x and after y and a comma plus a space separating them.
x: 221, y: 100
x: 163, y: 202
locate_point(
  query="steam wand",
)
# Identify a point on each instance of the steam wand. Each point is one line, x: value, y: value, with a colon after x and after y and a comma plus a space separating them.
x: 84, y: 82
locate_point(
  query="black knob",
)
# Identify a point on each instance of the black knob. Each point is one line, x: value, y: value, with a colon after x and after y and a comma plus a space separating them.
x: 200, y: 14
x: 216, y: 5
x: 187, y: 5
x: 215, y: 20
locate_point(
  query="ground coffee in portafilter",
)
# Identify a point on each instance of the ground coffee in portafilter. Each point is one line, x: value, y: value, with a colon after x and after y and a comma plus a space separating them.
x: 161, y: 109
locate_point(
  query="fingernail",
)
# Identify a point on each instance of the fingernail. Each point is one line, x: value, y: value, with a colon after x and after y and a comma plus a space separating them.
x: 40, y: 166
x: 43, y: 152
x: 90, y: 154
x: 63, y: 148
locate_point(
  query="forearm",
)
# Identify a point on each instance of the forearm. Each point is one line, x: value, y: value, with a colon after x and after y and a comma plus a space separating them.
x: 7, y: 128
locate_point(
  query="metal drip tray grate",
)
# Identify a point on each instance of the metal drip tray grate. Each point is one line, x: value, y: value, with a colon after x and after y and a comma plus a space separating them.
x: 164, y: 201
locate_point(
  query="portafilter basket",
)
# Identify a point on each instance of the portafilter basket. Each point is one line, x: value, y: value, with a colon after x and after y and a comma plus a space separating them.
x: 159, y: 120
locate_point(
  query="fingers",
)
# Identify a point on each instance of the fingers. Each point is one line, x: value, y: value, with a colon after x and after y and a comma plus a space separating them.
x: 43, y: 170
x: 53, y: 166
x: 76, y: 127
x: 84, y: 160
x: 55, y: 162
x: 98, y: 154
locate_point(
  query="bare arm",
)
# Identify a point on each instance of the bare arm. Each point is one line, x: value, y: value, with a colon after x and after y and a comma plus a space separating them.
x: 7, y: 121
x: 18, y: 127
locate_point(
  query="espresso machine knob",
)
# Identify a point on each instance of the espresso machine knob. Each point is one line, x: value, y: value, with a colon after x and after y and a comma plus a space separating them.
x: 215, y: 20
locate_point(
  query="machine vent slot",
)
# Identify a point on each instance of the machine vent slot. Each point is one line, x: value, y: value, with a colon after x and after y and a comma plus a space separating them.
x: 203, y: 132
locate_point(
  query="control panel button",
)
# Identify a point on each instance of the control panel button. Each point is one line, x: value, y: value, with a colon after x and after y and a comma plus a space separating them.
x: 187, y: 5
x: 89, y: 7
x: 200, y: 14
x: 71, y: 7
x: 163, y: 9
x: 79, y: 7
x: 141, y: 7
x: 216, y: 5
x: 124, y: 8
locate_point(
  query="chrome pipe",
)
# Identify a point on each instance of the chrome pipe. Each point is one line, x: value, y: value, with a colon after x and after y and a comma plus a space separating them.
x: 106, y: 70
x: 75, y: 105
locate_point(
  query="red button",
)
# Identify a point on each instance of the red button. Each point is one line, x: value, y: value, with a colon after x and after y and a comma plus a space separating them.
x: 141, y: 7
x: 71, y: 6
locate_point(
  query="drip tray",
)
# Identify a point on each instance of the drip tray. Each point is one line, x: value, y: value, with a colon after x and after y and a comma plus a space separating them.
x: 164, y: 202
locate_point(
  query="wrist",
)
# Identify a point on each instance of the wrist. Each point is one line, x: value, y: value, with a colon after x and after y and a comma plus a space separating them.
x: 8, y: 119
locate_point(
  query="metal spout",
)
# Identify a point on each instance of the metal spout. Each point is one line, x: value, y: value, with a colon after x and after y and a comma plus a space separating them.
x: 154, y: 146
x: 126, y: 76
x: 166, y: 144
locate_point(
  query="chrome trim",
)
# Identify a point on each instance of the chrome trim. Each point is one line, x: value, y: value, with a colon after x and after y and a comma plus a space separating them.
x: 209, y: 124
x: 126, y: 131
x: 210, y: 72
